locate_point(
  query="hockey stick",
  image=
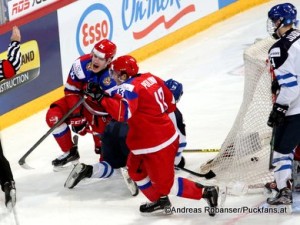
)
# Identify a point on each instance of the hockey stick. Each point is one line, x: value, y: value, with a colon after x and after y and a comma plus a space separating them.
x: 210, y: 174
x: 22, y: 162
x: 201, y: 150
x: 271, y: 167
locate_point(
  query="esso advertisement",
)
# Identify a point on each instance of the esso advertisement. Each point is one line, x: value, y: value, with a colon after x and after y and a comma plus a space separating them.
x: 95, y: 24
x: 18, y: 8
x: 130, y: 24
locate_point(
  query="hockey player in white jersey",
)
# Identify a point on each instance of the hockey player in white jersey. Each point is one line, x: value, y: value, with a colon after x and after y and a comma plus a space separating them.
x: 284, y: 57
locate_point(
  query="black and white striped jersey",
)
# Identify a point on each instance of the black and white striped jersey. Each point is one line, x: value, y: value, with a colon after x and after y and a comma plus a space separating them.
x: 9, y: 66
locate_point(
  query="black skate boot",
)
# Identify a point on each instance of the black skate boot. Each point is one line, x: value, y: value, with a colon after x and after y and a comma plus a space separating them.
x: 133, y: 188
x: 79, y: 172
x: 211, y: 195
x: 9, y: 189
x: 271, y: 187
x: 71, y: 156
x: 181, y: 164
x: 283, y: 197
x: 161, y: 206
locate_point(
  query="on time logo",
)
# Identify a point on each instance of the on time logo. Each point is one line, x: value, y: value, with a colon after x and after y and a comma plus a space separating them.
x: 94, y: 25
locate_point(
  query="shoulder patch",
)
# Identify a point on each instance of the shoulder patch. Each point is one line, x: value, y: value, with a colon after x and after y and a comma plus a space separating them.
x: 275, y: 52
x: 77, y: 70
x: 106, y: 81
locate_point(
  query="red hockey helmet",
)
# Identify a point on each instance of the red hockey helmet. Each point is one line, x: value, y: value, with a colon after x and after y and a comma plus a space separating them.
x: 125, y: 64
x: 105, y: 49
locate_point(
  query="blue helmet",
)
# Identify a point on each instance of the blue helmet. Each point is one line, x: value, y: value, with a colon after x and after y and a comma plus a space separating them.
x: 285, y: 12
x: 175, y: 87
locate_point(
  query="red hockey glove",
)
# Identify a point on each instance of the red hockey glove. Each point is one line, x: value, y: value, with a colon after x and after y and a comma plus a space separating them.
x: 95, y: 91
x: 79, y: 124
x: 277, y: 115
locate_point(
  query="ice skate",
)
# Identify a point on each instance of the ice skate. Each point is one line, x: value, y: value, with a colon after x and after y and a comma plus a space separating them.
x: 10, y: 194
x: 161, y: 206
x: 283, y: 197
x: 211, y: 195
x: 181, y: 164
x: 66, y: 160
x: 270, y: 188
x: 133, y: 188
x: 79, y: 172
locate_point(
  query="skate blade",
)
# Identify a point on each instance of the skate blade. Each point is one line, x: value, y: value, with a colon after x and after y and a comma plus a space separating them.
x: 68, y: 166
x: 11, y: 204
x: 131, y: 185
x: 160, y: 212
x: 134, y: 192
x: 72, y: 177
x: 222, y: 195
x: 133, y: 188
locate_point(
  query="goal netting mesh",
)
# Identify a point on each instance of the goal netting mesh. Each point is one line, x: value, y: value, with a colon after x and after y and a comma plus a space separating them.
x: 244, y: 155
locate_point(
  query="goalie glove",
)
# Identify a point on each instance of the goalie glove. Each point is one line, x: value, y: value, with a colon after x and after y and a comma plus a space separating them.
x: 277, y: 115
x: 95, y: 91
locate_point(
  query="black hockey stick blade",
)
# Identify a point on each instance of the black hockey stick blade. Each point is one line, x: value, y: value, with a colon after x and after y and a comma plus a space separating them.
x: 210, y: 174
x: 24, y: 165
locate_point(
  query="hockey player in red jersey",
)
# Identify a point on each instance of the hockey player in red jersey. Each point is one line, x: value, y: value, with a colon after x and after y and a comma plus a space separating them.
x: 115, y: 151
x: 89, y: 68
x: 8, y: 68
x: 144, y: 101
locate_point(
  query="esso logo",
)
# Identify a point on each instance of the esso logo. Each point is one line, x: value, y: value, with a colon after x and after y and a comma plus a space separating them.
x: 94, y: 25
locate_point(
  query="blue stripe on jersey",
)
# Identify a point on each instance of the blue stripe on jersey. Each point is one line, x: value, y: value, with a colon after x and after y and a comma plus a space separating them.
x: 183, y: 144
x: 291, y: 84
x: 57, y: 135
x: 287, y: 80
x: 284, y: 167
x: 105, y: 169
x: 282, y: 159
x: 145, y: 186
x: 108, y: 171
x: 126, y: 112
x: 285, y: 76
x: 180, y: 186
x: 111, y: 172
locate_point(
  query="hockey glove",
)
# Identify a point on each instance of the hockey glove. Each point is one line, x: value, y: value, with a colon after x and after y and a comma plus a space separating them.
x: 79, y: 124
x: 277, y: 115
x: 94, y: 91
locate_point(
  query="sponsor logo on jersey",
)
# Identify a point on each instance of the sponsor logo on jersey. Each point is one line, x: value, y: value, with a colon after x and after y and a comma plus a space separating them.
x: 95, y: 24
x: 275, y: 52
x: 106, y: 81
x: 29, y: 70
x: 77, y: 70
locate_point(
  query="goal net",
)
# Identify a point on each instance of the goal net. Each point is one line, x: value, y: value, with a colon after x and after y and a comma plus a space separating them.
x: 245, y: 154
